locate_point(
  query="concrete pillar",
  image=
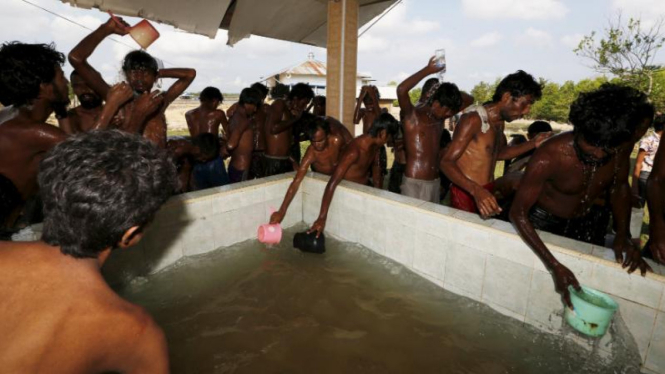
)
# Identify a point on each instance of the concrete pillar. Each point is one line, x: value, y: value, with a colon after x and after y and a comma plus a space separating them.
x: 342, y: 60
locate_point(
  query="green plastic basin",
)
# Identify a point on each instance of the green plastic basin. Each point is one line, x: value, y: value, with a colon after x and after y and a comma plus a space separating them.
x: 593, y: 311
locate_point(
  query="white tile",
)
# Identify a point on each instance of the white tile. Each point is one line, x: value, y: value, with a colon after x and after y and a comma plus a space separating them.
x: 277, y: 190
x: 552, y: 327
x: 566, y: 243
x: 313, y: 187
x: 250, y: 218
x: 473, y: 236
x: 225, y: 202
x: 403, y: 214
x: 507, y: 284
x: 436, y: 224
x: 400, y: 241
x: 251, y: 196
x: 465, y: 270
x: 223, y: 235
x: 656, y: 355
x: 462, y: 292
x: 429, y: 255
x: 640, y: 321
x: 642, y: 290
x: 544, y: 304
x: 472, y: 218
x: 512, y: 248
x: 311, y: 208
x: 198, y: 237
x: 352, y: 225
x: 375, y: 236
x: 662, y: 302
x: 604, y: 253
x: 436, y: 281
x: 506, y: 312
x: 581, y: 268
x: 172, y: 214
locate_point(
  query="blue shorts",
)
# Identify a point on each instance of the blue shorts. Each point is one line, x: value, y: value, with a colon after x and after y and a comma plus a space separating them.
x: 210, y: 174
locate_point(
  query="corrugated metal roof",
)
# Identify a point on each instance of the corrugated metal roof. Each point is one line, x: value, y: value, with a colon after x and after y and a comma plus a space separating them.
x: 310, y: 66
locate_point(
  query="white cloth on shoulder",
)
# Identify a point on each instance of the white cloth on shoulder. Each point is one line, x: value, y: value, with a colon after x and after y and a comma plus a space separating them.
x: 482, y: 112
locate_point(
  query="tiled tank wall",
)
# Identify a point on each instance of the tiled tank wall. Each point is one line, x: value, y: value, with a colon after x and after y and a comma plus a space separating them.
x: 488, y: 262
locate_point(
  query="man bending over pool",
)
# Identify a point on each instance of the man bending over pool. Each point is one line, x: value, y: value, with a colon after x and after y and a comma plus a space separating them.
x: 355, y: 162
x: 323, y: 154
x: 58, y: 315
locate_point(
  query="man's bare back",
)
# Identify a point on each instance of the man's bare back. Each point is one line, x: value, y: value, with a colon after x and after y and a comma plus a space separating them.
x: 240, y: 139
x: 49, y: 297
x: 200, y: 121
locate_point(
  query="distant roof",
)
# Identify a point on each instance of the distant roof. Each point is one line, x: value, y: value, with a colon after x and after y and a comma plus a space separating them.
x: 385, y: 92
x: 311, y: 66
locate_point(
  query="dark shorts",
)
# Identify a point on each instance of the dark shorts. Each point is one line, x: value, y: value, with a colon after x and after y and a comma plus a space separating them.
x: 590, y: 228
x: 236, y: 175
x: 383, y: 160
x: 210, y: 174
x: 256, y: 170
x: 274, y: 166
x: 396, y: 175
x: 10, y: 199
x: 642, y: 186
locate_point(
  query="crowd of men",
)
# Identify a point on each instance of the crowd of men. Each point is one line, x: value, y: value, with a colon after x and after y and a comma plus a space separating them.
x: 98, y: 178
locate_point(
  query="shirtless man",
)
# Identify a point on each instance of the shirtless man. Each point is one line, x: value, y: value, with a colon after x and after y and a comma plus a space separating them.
x: 319, y: 106
x: 571, y: 170
x: 478, y: 142
x: 241, y: 137
x: 369, y: 98
x: 322, y: 154
x: 358, y: 157
x: 202, y: 149
x: 32, y: 81
x: 83, y: 117
x: 279, y: 129
x: 423, y: 125
x: 335, y: 127
x: 64, y: 318
x: 656, y: 204
x: 141, y: 71
x: 206, y: 119
x: 259, y: 132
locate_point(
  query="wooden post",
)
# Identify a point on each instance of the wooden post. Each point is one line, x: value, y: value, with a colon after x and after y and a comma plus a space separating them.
x: 342, y: 60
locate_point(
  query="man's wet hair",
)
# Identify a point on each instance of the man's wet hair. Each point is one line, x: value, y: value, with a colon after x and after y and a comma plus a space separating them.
x: 518, y: 84
x: 23, y: 67
x: 427, y: 87
x: 659, y: 122
x: 208, y: 144
x: 539, y: 126
x: 609, y: 116
x: 139, y: 60
x: 261, y: 88
x: 448, y: 95
x: 279, y: 91
x: 210, y: 94
x: 301, y: 91
x: 250, y: 96
x: 316, y: 123
x: 97, y: 185
x: 387, y: 122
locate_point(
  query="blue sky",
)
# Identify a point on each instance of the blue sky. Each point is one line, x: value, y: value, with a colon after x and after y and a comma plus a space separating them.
x: 484, y: 39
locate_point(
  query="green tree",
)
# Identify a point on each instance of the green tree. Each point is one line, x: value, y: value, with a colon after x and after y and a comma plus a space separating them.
x: 626, y: 50
x: 482, y: 92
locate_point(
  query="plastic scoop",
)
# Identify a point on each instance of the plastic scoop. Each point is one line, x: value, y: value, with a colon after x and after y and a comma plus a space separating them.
x: 144, y: 33
x: 593, y: 311
x: 270, y: 233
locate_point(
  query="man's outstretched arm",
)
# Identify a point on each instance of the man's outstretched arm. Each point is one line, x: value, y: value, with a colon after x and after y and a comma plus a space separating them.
x: 278, y: 216
x: 526, y: 197
x: 348, y: 159
x: 403, y: 89
x: 78, y: 56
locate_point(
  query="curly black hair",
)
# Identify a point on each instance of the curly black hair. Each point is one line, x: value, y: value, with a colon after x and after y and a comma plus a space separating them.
x: 609, y: 115
x: 518, y: 84
x: 139, y: 60
x: 23, y: 67
x: 387, y: 122
x: 317, y: 123
x: 210, y: 94
x: 280, y: 91
x: 261, y: 88
x: 301, y: 91
x: 250, y: 96
x: 448, y: 95
x: 97, y: 185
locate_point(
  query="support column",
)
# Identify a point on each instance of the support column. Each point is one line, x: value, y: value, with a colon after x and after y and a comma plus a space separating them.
x: 342, y: 60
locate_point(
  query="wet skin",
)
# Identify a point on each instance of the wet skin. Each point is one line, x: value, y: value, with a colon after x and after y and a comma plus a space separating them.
x: 338, y: 129
x: 83, y: 117
x: 471, y: 157
x: 206, y: 119
x: 558, y: 182
x: 323, y: 155
x: 25, y: 138
x: 145, y: 113
x: 241, y: 138
x: 184, y: 153
x: 354, y: 164
x: 369, y: 98
x: 73, y: 322
x: 283, y: 115
x: 422, y: 126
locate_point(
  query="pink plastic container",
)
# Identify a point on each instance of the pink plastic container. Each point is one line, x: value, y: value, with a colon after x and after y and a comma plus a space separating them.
x: 270, y: 234
x: 144, y: 33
